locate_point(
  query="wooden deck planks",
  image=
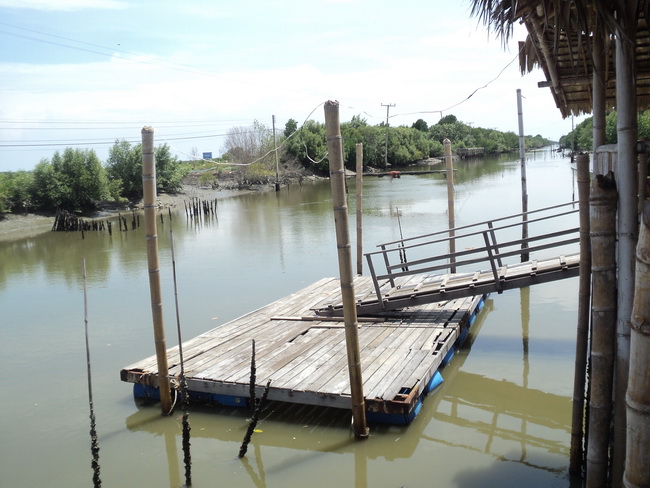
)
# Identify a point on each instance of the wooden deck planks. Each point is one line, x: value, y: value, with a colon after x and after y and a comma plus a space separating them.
x: 306, y: 359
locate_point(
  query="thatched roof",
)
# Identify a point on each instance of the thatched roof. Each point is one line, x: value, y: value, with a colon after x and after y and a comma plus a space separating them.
x: 559, y: 41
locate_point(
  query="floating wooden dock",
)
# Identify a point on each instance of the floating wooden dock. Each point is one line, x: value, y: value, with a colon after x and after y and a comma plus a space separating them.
x: 304, y: 354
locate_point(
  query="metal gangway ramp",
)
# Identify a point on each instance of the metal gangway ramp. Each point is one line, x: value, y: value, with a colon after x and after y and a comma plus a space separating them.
x: 486, y: 257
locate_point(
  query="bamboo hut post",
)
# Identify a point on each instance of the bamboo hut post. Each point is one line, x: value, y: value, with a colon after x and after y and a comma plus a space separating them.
x: 599, y: 90
x: 582, y: 340
x: 524, y: 187
x: 337, y: 180
x: 449, y: 173
x: 602, y: 214
x: 359, y: 180
x: 628, y: 225
x: 637, y: 462
x: 149, y: 187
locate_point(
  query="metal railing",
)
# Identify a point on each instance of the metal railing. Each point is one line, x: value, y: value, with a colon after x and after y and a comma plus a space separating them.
x: 491, y: 242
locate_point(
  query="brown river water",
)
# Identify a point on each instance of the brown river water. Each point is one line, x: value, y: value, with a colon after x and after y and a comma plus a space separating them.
x: 502, y: 417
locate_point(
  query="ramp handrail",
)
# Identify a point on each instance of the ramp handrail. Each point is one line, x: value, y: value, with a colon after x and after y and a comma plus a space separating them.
x: 493, y: 251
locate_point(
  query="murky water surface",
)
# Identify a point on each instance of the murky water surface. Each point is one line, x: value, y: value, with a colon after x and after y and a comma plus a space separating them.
x: 501, y: 417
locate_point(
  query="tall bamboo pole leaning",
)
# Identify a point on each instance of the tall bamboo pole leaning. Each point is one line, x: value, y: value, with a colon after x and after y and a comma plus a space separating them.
x: 602, y: 212
x: 524, y: 187
x: 584, y: 304
x: 149, y: 190
x: 637, y: 461
x: 337, y: 180
x: 359, y: 208
x: 449, y: 173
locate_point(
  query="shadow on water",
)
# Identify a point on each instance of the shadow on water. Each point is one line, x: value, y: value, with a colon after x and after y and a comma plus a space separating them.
x: 516, y: 474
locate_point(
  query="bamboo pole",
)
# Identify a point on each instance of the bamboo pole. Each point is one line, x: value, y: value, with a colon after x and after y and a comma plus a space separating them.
x: 599, y: 89
x: 275, y: 150
x: 637, y: 461
x: 337, y: 180
x: 149, y: 187
x: 449, y: 166
x: 628, y: 225
x: 524, y: 190
x: 582, y: 340
x: 603, y: 246
x: 359, y: 207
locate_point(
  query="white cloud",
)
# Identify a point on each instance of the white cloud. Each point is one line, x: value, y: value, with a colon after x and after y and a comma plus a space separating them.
x: 64, y: 5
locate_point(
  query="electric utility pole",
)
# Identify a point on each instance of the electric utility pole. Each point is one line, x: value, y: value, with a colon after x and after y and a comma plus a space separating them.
x: 388, y: 106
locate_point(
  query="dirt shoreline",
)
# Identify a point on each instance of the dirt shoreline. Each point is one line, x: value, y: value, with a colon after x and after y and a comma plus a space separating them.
x: 18, y: 226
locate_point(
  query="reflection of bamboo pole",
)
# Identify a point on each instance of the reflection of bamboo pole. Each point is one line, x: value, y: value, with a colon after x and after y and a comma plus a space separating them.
x: 637, y: 462
x: 603, y: 244
x: 582, y: 340
x: 359, y: 212
x: 149, y: 190
x: 337, y: 180
x: 449, y: 166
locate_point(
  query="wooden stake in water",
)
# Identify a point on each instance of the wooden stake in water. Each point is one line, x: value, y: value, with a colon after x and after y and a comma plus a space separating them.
x: 187, y: 457
x: 337, y: 180
x: 149, y: 190
x: 254, y: 420
x: 524, y: 189
x: 449, y: 165
x: 359, y: 181
x: 402, y: 251
x: 94, y: 444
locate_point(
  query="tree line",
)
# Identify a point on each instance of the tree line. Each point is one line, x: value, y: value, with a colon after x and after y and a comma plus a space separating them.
x: 305, y: 147
x: 405, y: 145
x: 581, y: 137
x: 77, y: 181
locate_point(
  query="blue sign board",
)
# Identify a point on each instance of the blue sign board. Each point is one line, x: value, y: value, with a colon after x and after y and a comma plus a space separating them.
x: 207, y: 155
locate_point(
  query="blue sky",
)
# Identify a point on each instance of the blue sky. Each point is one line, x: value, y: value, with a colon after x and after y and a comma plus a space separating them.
x: 83, y: 73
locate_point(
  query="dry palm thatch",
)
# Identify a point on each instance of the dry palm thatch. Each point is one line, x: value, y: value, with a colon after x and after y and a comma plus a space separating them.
x: 559, y: 41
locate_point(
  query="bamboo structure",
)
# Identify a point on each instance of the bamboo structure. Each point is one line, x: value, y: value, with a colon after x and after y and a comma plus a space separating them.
x: 337, y: 180
x: 149, y: 187
x: 637, y: 463
x: 359, y: 179
x: 599, y: 90
x: 584, y: 304
x: 524, y: 185
x: 449, y: 166
x: 603, y: 342
x: 628, y: 226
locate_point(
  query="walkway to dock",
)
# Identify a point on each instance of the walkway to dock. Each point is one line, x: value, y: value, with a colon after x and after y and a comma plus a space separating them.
x: 429, y: 268
x: 304, y: 355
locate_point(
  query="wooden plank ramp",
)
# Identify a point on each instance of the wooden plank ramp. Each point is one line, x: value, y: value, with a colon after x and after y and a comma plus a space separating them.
x: 304, y: 354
